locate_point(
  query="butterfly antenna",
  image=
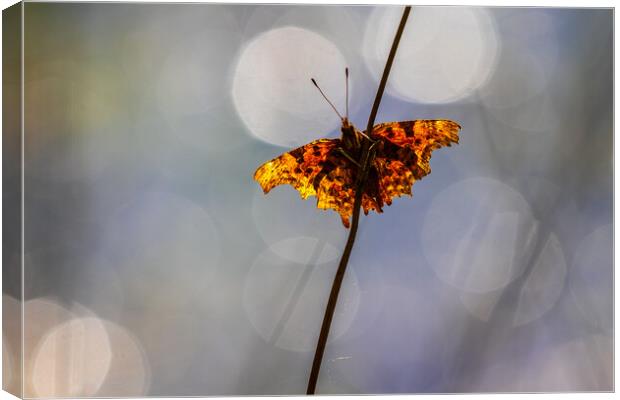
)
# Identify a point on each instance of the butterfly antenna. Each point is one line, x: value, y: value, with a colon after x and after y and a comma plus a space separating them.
x: 325, y: 97
x: 346, y: 89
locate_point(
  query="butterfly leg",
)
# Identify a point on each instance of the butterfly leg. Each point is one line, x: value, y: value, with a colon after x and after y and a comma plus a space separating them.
x: 373, y: 141
x: 366, y: 136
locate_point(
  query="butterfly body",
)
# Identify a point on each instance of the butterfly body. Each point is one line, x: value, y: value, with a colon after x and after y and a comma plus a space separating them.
x: 351, y: 138
x: 329, y: 168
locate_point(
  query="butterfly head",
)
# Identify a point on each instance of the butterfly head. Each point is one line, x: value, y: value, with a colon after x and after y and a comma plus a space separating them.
x: 345, y: 124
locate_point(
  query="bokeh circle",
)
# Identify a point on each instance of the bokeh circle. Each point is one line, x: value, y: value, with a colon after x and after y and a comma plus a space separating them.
x: 477, y: 233
x: 445, y: 53
x: 272, y: 91
x: 284, y: 300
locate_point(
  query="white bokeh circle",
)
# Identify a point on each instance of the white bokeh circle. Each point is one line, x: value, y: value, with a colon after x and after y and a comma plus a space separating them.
x: 285, y: 300
x: 71, y: 352
x: 540, y: 291
x: 272, y: 91
x: 344, y: 27
x: 445, y: 53
x: 72, y: 359
x: 129, y: 372
x: 41, y: 315
x: 477, y: 234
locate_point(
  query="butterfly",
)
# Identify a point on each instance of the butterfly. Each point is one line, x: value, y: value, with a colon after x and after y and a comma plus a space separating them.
x: 328, y: 168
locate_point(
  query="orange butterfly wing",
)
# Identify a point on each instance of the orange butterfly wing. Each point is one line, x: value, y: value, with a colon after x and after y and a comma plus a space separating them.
x: 421, y: 136
x: 337, y: 189
x: 404, y: 156
x: 298, y: 167
x: 315, y: 169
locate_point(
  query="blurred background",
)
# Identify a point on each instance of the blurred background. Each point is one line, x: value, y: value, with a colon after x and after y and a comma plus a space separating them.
x: 155, y: 265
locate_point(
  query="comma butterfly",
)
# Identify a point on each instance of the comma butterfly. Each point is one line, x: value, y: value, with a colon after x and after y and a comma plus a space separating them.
x: 328, y: 168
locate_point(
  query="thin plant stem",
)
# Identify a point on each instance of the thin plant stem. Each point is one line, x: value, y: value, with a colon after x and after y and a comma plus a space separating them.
x: 366, y: 161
